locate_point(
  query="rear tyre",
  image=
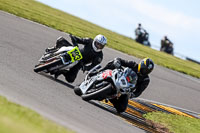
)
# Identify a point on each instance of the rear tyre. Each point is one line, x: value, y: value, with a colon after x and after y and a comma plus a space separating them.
x: 42, y: 67
x: 98, y: 93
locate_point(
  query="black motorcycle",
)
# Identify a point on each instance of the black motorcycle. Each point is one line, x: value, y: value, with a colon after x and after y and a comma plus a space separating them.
x: 143, y: 38
x: 168, y: 48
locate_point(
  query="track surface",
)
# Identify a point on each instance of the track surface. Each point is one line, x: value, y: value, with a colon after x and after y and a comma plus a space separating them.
x: 22, y: 43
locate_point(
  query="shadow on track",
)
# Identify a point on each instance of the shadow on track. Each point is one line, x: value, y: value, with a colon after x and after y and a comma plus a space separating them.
x: 56, y: 80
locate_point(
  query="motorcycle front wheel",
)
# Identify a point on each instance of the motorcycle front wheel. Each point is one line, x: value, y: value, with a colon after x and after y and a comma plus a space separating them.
x: 98, y: 93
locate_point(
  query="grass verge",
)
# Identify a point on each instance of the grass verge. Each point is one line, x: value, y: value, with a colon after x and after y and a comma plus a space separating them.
x: 17, y: 119
x: 62, y: 21
x: 175, y: 123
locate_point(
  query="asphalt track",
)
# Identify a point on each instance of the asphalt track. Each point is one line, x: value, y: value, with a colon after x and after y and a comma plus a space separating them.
x: 22, y: 42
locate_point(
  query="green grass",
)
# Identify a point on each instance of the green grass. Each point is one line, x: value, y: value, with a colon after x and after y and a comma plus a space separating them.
x: 17, y: 119
x: 175, y: 123
x: 62, y: 21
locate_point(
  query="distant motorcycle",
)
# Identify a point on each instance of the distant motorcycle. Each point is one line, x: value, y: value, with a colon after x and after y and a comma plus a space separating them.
x: 143, y: 38
x: 168, y: 48
x: 108, y: 84
x: 63, y: 58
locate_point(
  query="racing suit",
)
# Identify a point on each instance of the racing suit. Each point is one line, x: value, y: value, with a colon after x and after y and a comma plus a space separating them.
x: 139, y: 33
x: 121, y: 103
x: 166, y: 46
x: 90, y: 57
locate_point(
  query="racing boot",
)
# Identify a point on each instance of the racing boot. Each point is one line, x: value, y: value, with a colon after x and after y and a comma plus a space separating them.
x: 58, y: 73
x: 77, y: 91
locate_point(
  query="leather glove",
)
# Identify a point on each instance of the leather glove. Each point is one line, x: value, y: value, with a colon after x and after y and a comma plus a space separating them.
x: 116, y: 63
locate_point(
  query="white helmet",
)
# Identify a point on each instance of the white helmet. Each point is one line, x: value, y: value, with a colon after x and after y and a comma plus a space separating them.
x: 99, y: 43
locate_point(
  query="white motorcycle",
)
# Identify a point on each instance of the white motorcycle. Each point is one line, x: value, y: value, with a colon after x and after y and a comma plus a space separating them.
x: 63, y: 58
x: 108, y: 84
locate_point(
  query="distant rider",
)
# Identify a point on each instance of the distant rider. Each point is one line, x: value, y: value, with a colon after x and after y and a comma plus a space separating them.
x: 166, y: 45
x: 139, y: 32
x: 142, y: 70
x: 91, y: 52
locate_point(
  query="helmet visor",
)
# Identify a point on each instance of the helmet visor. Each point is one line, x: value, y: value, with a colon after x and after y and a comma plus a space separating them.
x: 98, y: 45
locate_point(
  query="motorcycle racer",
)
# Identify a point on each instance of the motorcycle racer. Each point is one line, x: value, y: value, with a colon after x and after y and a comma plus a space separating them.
x: 166, y: 45
x: 142, y: 69
x: 142, y: 36
x: 91, y: 52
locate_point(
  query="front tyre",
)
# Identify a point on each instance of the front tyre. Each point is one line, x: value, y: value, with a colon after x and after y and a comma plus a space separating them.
x: 98, y: 93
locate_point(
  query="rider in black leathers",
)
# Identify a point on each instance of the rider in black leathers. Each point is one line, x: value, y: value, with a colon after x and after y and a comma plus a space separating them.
x: 142, y: 69
x: 139, y: 31
x: 91, y: 52
x: 142, y: 36
x: 166, y: 45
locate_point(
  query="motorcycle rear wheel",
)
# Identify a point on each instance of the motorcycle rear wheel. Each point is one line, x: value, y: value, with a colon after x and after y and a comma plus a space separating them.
x: 46, y: 66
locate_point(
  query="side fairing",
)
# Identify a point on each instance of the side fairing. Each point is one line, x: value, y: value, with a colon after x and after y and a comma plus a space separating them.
x: 86, y: 84
x: 63, y: 49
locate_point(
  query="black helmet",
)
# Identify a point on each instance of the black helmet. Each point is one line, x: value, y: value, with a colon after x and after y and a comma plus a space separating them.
x: 145, y: 66
x: 131, y: 76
